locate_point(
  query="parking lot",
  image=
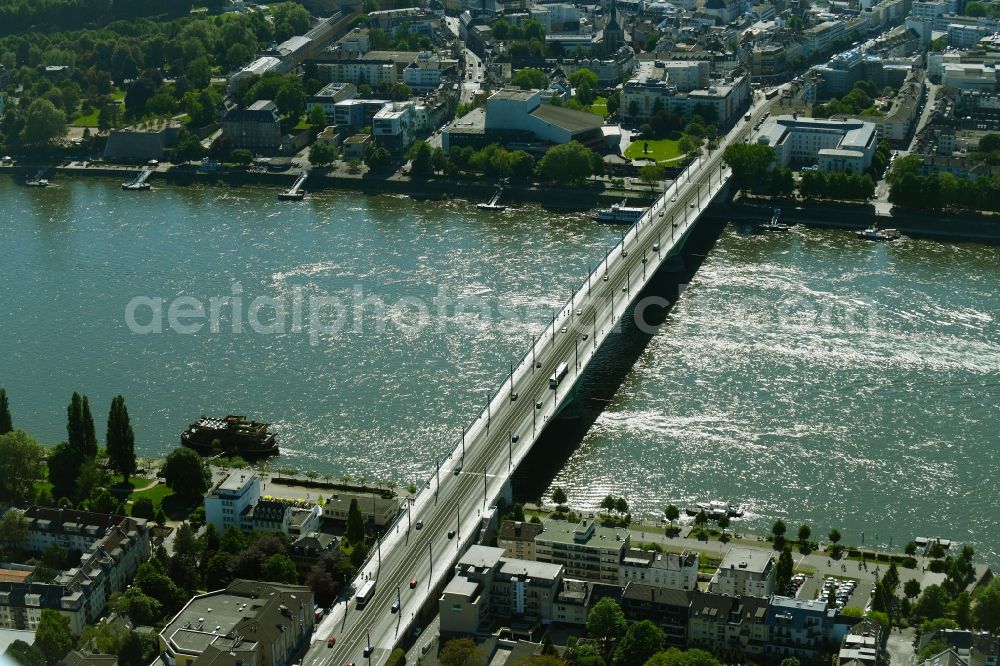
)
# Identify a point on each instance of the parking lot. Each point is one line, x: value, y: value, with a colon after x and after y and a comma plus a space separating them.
x: 851, y: 593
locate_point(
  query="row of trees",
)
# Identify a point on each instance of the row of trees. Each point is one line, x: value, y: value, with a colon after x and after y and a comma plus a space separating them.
x: 566, y: 163
x: 836, y: 185
x: 910, y: 188
x: 755, y: 170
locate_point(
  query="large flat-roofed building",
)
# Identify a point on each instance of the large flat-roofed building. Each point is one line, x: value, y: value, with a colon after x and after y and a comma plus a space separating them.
x: 327, y: 97
x: 521, y: 114
x: 227, y: 503
x: 833, y: 145
x: 586, y: 550
x: 971, y: 76
x: 265, y: 624
x: 747, y: 571
x: 257, y: 68
x: 678, y: 571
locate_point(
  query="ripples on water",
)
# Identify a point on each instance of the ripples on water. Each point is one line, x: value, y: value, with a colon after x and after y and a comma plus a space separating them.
x: 820, y: 379
x: 807, y: 375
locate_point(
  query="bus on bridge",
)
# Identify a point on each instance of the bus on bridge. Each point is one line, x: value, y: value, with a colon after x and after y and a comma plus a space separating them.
x: 558, y: 375
x: 366, y: 592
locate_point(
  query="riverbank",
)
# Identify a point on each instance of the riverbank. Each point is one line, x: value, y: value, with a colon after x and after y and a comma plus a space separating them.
x: 583, y: 197
x: 845, y: 215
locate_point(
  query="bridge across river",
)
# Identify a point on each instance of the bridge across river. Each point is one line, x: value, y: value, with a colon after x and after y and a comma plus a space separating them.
x: 478, y: 469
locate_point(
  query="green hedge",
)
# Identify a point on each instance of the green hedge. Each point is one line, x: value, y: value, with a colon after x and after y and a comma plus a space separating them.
x: 396, y: 658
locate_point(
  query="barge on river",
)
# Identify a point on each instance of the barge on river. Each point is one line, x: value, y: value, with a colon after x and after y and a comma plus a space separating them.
x: 233, y: 435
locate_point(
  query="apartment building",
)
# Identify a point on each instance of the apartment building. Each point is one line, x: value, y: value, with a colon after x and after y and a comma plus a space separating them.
x: 255, y: 127
x: 376, y: 506
x: 667, y: 608
x: 112, y: 549
x: 489, y: 587
x: 798, y: 628
x: 518, y: 539
x: 745, y: 571
x: 251, y: 622
x: 327, y: 97
x: 676, y: 571
x: 394, y: 126
x: 228, y: 501
x: 586, y: 550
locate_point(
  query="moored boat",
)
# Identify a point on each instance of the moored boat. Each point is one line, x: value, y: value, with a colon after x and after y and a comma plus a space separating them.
x: 233, y: 435
x: 716, y: 509
x: 873, y: 233
x: 619, y: 214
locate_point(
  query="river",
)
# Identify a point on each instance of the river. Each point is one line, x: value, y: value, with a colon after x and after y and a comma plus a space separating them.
x: 807, y: 375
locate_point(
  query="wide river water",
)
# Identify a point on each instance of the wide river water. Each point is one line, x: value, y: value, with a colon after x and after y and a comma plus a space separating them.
x: 807, y: 375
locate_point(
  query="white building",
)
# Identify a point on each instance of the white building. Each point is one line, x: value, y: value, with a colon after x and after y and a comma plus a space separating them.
x: 841, y: 145
x: 257, y: 68
x: 666, y: 570
x: 112, y: 549
x: 358, y: 71
x: 745, y: 571
x: 970, y: 76
x: 522, y: 112
x: 227, y: 503
x: 424, y: 73
x: 327, y: 97
x: 394, y: 126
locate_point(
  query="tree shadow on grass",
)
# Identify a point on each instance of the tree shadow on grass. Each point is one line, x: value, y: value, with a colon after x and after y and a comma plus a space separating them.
x: 179, y: 508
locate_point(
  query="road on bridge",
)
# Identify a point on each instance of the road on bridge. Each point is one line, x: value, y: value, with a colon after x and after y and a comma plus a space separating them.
x: 449, y: 507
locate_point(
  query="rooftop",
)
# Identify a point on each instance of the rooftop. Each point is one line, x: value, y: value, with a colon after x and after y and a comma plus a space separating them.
x: 530, y: 569
x: 569, y: 119
x: 481, y: 557
x: 514, y: 94
x: 754, y: 560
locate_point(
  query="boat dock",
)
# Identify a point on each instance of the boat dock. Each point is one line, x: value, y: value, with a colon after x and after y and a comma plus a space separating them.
x: 775, y: 223
x: 140, y: 182
x: 295, y: 193
x: 38, y: 181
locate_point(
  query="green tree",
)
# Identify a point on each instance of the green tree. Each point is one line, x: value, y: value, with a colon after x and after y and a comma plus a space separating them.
x: 143, y: 508
x: 421, y: 155
x: 24, y: 654
x: 701, y: 519
x: 322, y: 152
x: 103, y: 502
x: 22, y: 463
x: 291, y: 98
x: 750, y: 163
x: 355, y: 524
x: 671, y: 513
x: 6, y: 424
x: 606, y: 622
x: 219, y: 569
x: 530, y: 78
x: 986, y: 611
x: 567, y: 163
x: 559, y: 495
x: 141, y: 608
x: 52, y: 636
x: 134, y: 651
x: 783, y: 570
x: 723, y: 523
x: 778, y: 530
x: 960, y: 609
x: 186, y: 474
x: 188, y: 148
x: 400, y: 92
x: 378, y: 158
x: 64, y: 466
x: 120, y: 439
x: 834, y: 535
x: 241, y: 157
x: 14, y: 529
x: 651, y: 174
x: 280, y: 569
x: 804, y: 533
x: 790, y: 661
x: 641, y: 641
x: 582, y: 76
x: 152, y: 582
x: 43, y: 123
x: 460, y: 652
x: 317, y: 116
x: 911, y: 588
x: 80, y: 427
x: 933, y: 603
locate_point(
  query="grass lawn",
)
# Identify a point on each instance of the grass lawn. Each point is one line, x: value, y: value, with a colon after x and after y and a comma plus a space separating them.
x: 86, y: 119
x: 303, y: 124
x: 660, y: 150
x: 599, y: 107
